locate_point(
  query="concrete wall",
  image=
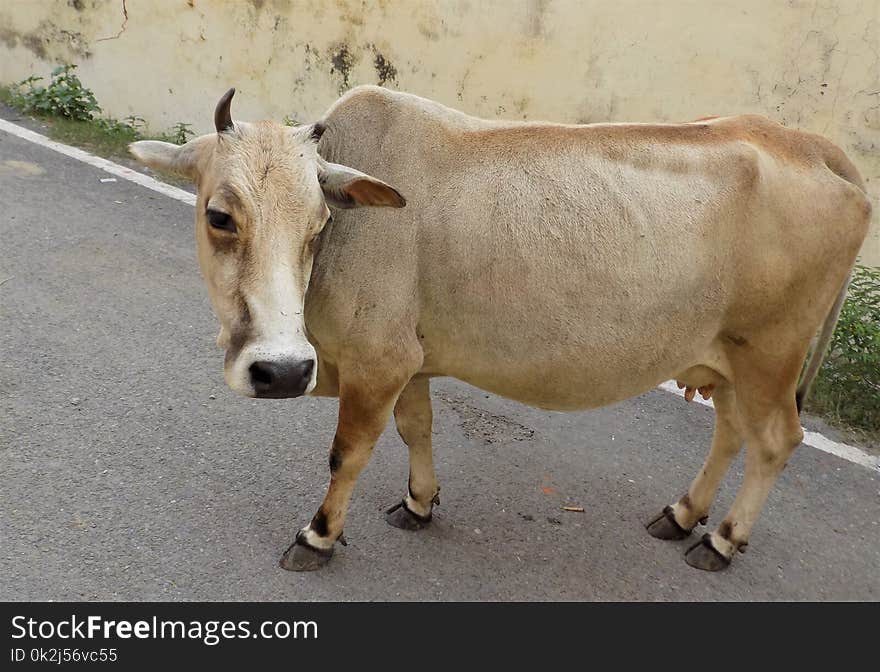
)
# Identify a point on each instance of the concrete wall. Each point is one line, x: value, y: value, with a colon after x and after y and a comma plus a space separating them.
x: 814, y: 65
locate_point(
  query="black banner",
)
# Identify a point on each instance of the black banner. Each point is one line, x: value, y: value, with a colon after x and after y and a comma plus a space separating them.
x: 149, y: 635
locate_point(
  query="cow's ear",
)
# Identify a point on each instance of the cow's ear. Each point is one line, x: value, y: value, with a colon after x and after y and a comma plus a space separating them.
x: 346, y: 187
x: 180, y: 159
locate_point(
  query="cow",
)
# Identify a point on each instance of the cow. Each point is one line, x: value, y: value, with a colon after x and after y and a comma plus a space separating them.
x: 564, y: 266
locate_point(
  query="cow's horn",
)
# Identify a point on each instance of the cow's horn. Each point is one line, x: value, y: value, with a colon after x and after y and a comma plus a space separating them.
x: 222, y: 116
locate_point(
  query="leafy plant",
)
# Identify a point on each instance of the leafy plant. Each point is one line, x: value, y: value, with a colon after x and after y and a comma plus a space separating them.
x: 128, y: 129
x: 181, y: 132
x: 139, y: 124
x: 65, y: 96
x: 848, y: 385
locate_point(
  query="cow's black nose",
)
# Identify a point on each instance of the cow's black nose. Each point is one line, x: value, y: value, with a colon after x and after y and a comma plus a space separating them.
x: 281, y: 380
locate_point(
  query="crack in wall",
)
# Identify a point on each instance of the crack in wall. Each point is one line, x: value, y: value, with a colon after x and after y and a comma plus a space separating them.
x: 121, y: 28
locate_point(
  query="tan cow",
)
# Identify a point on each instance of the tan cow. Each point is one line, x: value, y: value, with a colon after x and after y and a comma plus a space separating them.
x: 566, y: 267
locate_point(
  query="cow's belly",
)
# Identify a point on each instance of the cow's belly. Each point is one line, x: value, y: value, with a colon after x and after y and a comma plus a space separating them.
x: 595, y: 342
x: 565, y: 378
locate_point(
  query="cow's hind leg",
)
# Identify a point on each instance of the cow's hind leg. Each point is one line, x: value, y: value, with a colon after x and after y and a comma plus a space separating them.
x: 364, y: 408
x: 772, y: 431
x: 414, y: 418
x: 678, y: 520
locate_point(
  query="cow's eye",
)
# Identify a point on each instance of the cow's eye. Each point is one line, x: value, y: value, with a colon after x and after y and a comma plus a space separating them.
x: 220, y: 220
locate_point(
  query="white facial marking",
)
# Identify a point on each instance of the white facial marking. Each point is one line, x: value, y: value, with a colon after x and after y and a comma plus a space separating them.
x: 277, y: 331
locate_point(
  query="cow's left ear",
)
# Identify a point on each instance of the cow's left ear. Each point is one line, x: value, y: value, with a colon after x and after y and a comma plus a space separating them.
x: 180, y: 159
x: 346, y: 187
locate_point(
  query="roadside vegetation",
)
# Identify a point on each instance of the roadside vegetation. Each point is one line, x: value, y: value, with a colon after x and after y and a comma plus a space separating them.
x: 73, y: 116
x: 846, y: 392
x: 847, y: 389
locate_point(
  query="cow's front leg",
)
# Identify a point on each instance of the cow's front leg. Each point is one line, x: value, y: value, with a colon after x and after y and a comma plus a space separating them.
x: 363, y: 414
x: 414, y: 418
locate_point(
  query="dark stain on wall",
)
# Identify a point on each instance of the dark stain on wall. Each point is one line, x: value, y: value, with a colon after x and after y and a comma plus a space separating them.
x: 8, y: 37
x: 311, y: 56
x: 36, y: 44
x: 385, y: 70
x: 49, y: 42
x: 342, y: 61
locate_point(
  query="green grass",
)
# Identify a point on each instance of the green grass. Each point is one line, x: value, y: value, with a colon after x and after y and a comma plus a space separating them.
x: 103, y: 136
x: 109, y: 142
x: 71, y: 112
x: 847, y: 390
x: 80, y: 127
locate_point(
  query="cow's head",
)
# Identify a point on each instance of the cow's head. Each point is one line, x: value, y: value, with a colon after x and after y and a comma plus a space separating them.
x: 263, y: 197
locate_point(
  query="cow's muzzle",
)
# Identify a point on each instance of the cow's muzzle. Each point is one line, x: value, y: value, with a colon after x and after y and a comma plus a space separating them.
x: 280, y: 379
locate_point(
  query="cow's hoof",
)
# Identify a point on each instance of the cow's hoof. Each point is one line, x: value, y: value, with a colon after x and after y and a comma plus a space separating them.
x: 401, y: 517
x: 703, y: 555
x: 665, y: 527
x: 301, y: 557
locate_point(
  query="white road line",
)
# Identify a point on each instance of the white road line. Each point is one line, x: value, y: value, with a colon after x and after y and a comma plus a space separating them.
x: 98, y: 162
x: 813, y: 439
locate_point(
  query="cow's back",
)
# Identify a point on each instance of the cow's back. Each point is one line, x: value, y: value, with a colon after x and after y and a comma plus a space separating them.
x: 571, y: 266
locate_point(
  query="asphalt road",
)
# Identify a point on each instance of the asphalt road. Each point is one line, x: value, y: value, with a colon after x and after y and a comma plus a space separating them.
x: 129, y: 471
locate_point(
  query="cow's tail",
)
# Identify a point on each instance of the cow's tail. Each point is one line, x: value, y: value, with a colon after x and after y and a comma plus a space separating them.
x: 819, y: 349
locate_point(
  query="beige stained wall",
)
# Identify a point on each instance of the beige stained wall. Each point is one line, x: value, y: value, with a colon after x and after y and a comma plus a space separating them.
x: 808, y: 64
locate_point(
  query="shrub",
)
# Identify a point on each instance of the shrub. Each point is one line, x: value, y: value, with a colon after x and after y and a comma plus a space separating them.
x: 848, y: 385
x: 72, y: 110
x: 65, y: 96
x: 180, y: 133
x: 128, y: 129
